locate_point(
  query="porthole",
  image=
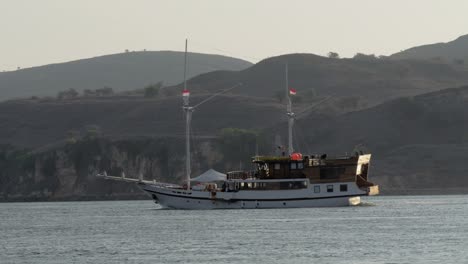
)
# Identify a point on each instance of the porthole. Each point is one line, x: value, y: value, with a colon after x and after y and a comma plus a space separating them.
x: 317, y: 189
x: 343, y: 188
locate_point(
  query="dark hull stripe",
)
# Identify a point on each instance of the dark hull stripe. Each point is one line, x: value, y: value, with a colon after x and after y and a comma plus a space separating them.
x: 259, y: 200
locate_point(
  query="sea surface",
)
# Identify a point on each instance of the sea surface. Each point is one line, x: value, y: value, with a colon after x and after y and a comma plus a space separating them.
x: 390, y: 229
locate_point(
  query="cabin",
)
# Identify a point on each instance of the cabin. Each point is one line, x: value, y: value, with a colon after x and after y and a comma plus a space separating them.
x: 316, y: 168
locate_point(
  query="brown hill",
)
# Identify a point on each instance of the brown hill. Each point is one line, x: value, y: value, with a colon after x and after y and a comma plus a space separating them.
x: 38, y: 123
x: 124, y: 71
x: 370, y: 80
x: 453, y: 51
x: 405, y: 135
x: 354, y: 84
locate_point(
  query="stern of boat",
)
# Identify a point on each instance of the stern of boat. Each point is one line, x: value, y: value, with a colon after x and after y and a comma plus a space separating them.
x: 362, y: 172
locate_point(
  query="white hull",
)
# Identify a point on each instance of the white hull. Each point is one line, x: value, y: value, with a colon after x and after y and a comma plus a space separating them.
x: 182, y: 199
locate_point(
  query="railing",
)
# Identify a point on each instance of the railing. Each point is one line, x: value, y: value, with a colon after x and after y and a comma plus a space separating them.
x: 240, y: 175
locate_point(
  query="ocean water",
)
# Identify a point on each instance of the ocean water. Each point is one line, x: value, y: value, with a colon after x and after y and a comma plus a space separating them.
x: 392, y: 229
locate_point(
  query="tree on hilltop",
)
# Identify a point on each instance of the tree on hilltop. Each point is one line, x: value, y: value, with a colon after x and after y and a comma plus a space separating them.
x: 362, y: 56
x: 333, y: 55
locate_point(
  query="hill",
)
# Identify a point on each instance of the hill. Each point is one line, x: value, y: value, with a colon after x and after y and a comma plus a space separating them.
x: 368, y: 81
x: 452, y: 51
x: 398, y: 110
x: 125, y: 71
x: 419, y: 144
x: 38, y: 123
x: 353, y: 84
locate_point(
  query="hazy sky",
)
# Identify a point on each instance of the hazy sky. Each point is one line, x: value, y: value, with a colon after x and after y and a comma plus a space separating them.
x: 48, y: 31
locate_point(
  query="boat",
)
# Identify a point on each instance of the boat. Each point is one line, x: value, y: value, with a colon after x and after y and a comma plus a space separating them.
x: 288, y: 180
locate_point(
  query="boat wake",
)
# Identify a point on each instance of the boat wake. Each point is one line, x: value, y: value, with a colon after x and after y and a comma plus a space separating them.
x: 365, y: 204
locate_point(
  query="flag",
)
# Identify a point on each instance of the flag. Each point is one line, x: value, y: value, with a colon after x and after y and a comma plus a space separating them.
x: 292, y: 91
x: 185, y: 93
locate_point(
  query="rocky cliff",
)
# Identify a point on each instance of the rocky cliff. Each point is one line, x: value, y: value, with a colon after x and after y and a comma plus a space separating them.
x: 68, y: 172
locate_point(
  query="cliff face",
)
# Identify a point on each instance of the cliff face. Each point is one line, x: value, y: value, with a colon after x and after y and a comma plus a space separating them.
x: 68, y: 172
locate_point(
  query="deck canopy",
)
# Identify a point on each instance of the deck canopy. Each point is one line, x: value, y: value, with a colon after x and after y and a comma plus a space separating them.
x: 210, y: 176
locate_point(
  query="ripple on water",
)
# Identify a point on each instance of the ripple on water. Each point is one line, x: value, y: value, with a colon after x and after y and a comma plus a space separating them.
x: 394, y: 229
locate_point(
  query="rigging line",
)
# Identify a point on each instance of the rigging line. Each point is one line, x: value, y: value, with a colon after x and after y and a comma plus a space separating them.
x: 226, y: 52
x: 282, y: 118
x: 216, y: 94
x: 314, y: 105
x: 213, y: 66
x: 300, y: 135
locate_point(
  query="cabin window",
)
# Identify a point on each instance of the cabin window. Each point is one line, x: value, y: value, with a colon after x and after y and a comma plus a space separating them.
x: 317, y: 189
x: 343, y: 187
x: 277, y: 166
x: 329, y: 188
x: 331, y: 173
x: 282, y: 185
x: 300, y: 165
x: 293, y: 166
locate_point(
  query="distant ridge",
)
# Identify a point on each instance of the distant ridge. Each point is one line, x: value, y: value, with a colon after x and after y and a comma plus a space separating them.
x: 123, y: 71
x: 456, y: 49
x: 372, y: 81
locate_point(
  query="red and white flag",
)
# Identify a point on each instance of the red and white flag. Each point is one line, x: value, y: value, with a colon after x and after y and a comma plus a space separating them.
x: 292, y: 91
x: 185, y: 93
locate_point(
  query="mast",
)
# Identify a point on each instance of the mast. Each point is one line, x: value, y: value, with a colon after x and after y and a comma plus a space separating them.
x: 188, y: 118
x: 289, y: 113
x: 185, y: 69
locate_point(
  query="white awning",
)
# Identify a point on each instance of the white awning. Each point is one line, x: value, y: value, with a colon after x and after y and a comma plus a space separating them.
x: 210, y: 176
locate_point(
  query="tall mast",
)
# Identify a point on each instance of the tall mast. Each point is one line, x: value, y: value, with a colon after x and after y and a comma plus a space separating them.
x: 289, y: 113
x: 185, y: 68
x: 188, y: 117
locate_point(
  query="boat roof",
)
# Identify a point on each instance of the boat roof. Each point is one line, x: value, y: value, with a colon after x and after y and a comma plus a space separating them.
x: 210, y: 176
x: 267, y: 159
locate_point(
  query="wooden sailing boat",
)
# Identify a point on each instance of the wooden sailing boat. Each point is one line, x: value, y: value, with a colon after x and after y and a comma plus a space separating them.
x: 290, y: 181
